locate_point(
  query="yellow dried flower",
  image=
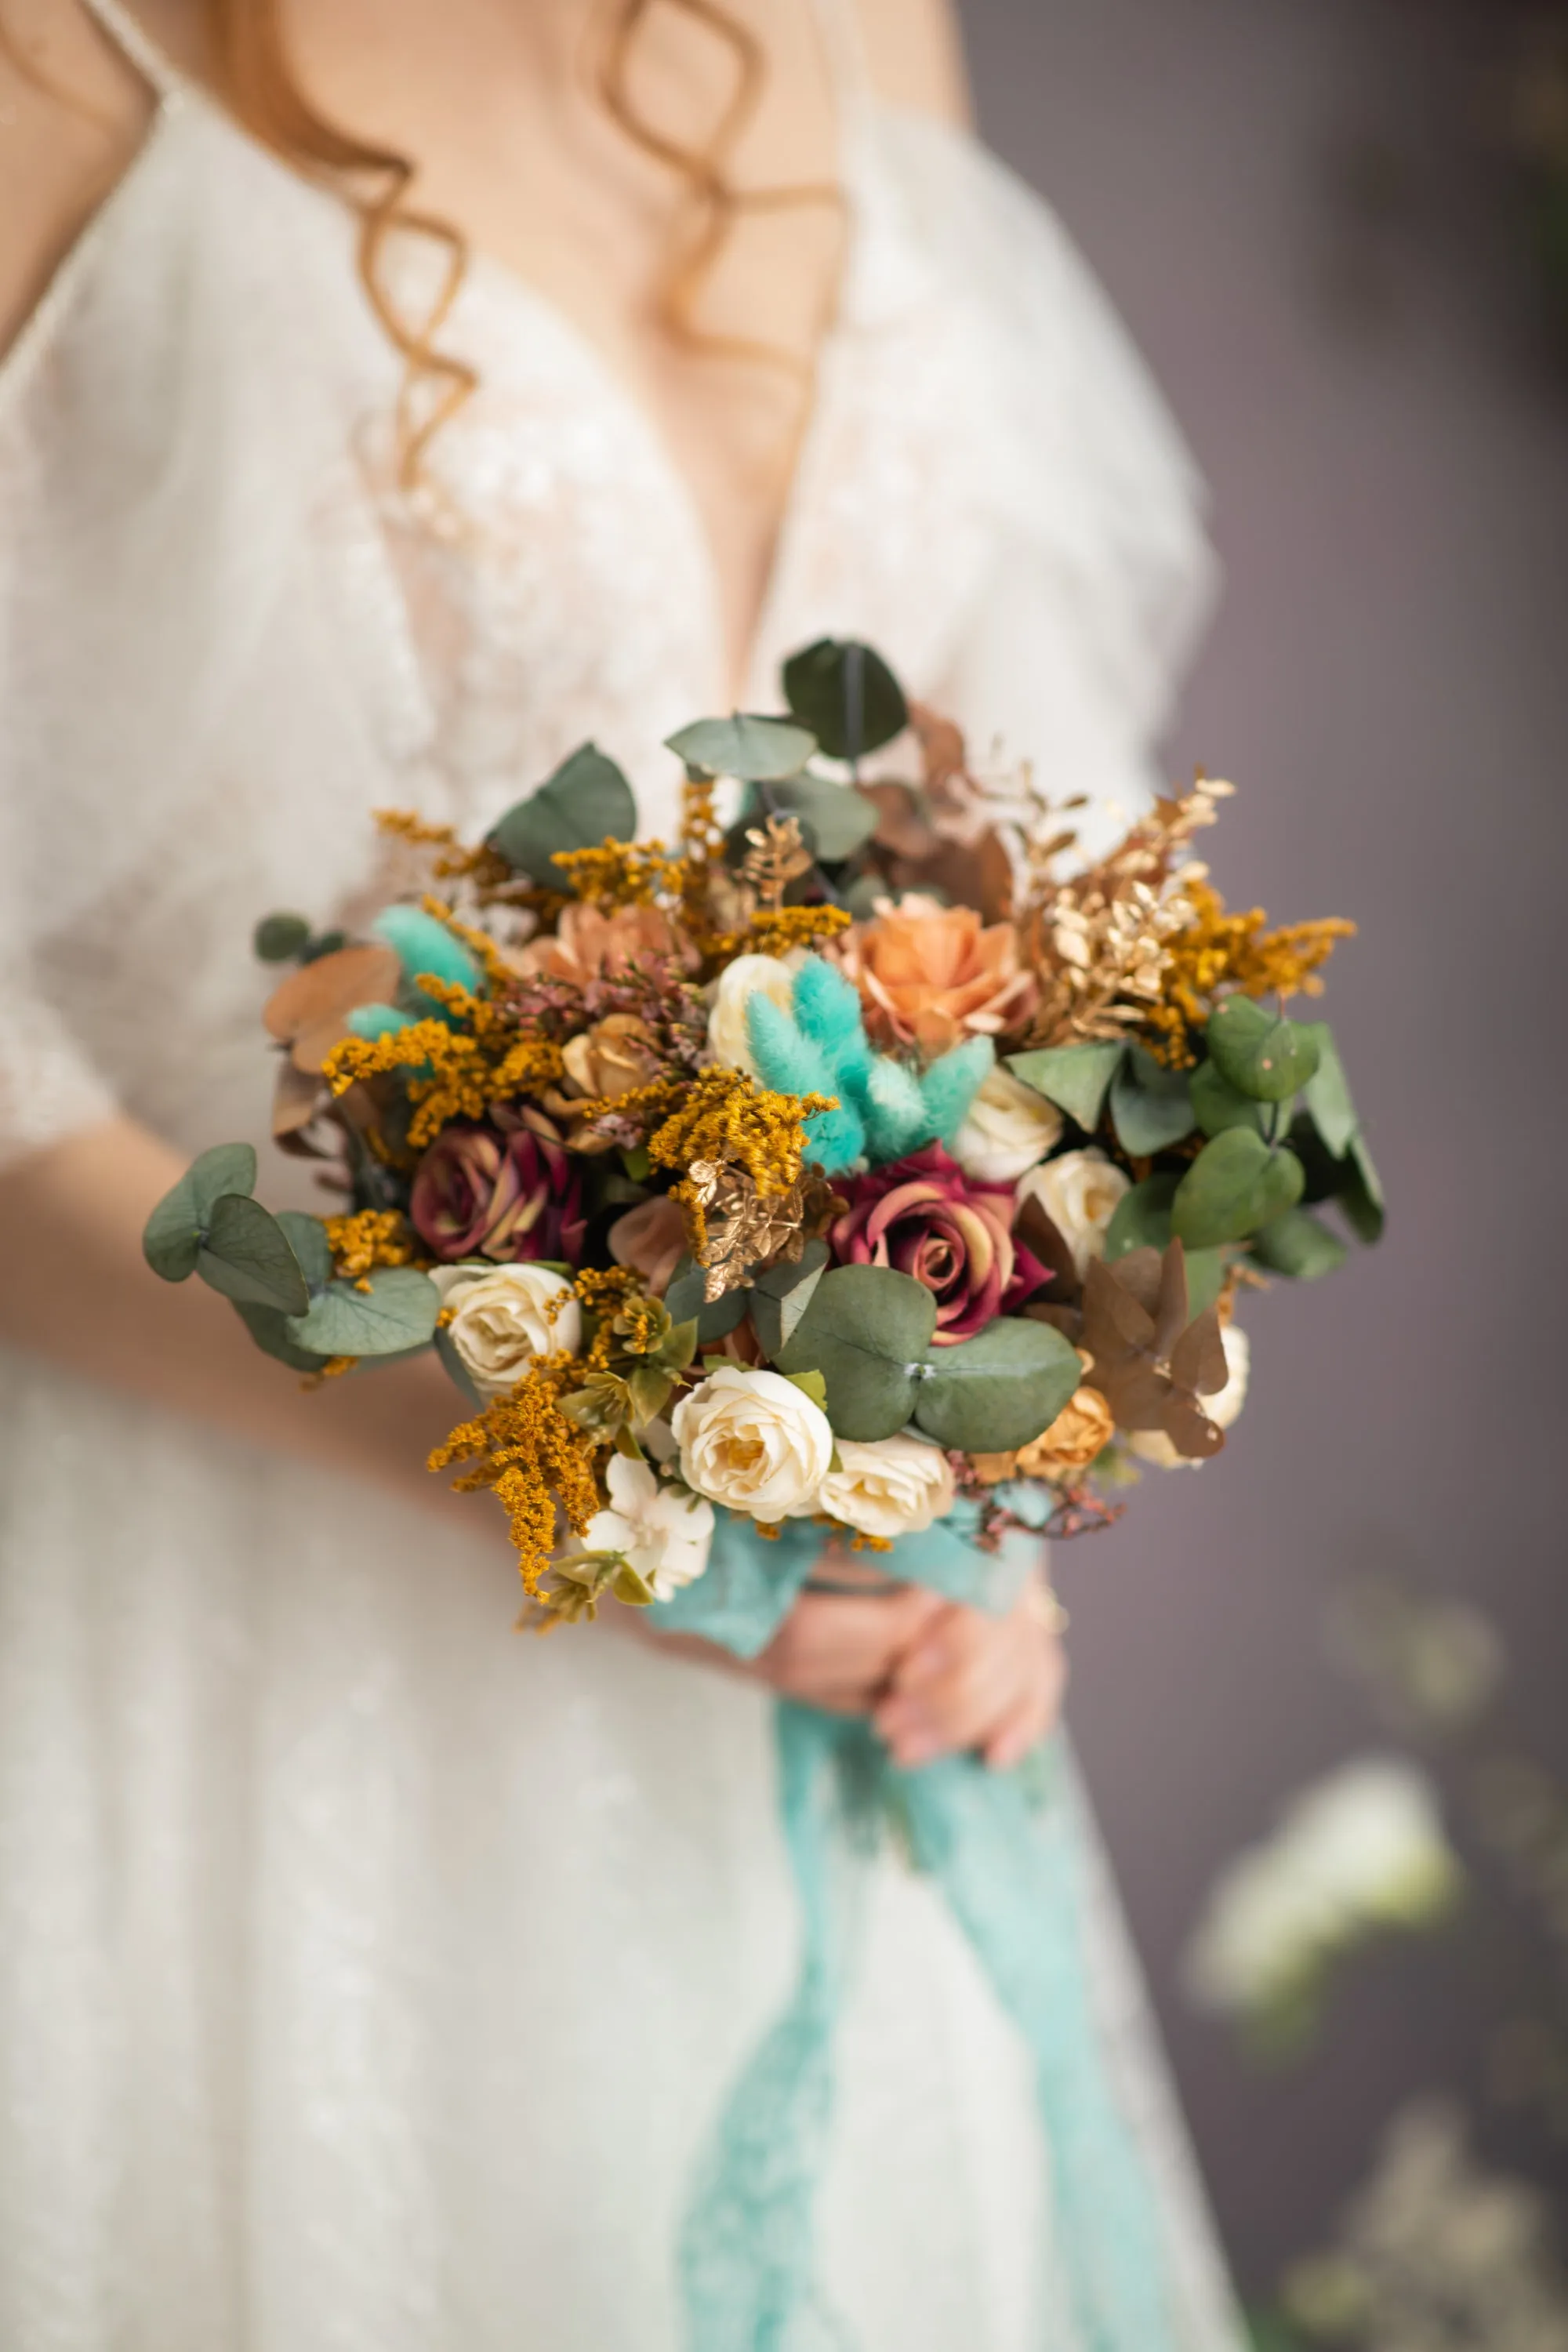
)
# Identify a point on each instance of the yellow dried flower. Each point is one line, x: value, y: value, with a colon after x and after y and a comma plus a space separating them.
x: 1217, y: 949
x: 535, y: 1461
x: 370, y: 1238
x: 622, y: 873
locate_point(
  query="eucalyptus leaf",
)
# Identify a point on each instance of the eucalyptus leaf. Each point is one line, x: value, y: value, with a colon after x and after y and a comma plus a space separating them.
x: 998, y: 1390
x: 1218, y: 1104
x: 1236, y: 1185
x: 307, y: 1238
x: 781, y: 1296
x: 172, y: 1239
x: 279, y: 939
x: 686, y: 1303
x: 246, y: 1254
x: 397, y: 1312
x: 1329, y: 1093
x: 757, y: 750
x: 1077, y: 1078
x: 1361, y: 1197
x: 1261, y: 1053
x: 1298, y: 1244
x: 456, y: 1371
x: 846, y: 695
x: 839, y: 819
x: 269, y: 1327
x: 1142, y: 1218
x: 585, y: 801
x: 1151, y: 1106
x: 1206, y: 1277
x: 865, y: 1330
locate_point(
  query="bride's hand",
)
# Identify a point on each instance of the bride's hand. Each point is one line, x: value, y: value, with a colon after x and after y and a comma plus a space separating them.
x: 842, y: 1653
x: 973, y: 1682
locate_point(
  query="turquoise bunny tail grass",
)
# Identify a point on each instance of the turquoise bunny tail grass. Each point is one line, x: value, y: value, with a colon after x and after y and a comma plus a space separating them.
x: 426, y: 945
x: 950, y: 1085
x: 1005, y: 1859
x: 794, y: 1064
x: 746, y: 2253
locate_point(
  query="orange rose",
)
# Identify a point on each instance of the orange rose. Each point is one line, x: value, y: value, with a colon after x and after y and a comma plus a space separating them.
x: 1082, y: 1429
x: 931, y: 975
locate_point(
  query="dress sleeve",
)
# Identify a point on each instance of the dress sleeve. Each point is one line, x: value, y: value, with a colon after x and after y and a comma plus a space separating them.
x: 1101, y: 577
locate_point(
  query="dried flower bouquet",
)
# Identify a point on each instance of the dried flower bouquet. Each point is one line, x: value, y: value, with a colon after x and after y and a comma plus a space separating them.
x: 845, y: 1161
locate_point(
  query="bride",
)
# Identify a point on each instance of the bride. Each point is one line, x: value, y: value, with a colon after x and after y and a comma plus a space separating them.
x: 393, y: 397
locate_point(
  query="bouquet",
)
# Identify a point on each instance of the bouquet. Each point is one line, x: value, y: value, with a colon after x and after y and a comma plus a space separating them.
x: 852, y: 1168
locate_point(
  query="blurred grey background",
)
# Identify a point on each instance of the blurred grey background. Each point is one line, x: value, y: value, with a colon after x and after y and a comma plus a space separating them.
x: 1316, y: 219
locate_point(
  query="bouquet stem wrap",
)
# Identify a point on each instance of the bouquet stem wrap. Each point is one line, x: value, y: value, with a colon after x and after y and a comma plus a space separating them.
x: 1003, y: 1850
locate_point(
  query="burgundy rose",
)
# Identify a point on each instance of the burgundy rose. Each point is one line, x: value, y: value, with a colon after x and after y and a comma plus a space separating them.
x: 499, y: 1191
x: 924, y: 1217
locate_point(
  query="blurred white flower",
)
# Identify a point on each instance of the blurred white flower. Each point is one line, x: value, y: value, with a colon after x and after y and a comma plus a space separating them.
x: 1078, y: 1192
x: 895, y: 1486
x: 1358, y: 1852
x: 504, y: 1315
x: 1435, y: 2253
x: 728, y: 1039
x: 1222, y: 1408
x: 664, y: 1532
x: 1008, y: 1130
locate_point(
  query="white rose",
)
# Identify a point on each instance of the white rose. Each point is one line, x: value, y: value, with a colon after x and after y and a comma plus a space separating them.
x: 664, y: 1534
x: 504, y: 1315
x: 1009, y: 1129
x: 1079, y: 1192
x: 728, y: 1039
x: 894, y: 1487
x: 753, y: 1441
x: 1153, y: 1445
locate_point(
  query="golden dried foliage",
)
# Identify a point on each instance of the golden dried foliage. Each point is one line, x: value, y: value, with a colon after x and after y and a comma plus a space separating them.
x: 1217, y: 951
x: 622, y: 873
x: 743, y: 1232
x: 450, y: 860
x: 526, y: 1451
x: 775, y: 856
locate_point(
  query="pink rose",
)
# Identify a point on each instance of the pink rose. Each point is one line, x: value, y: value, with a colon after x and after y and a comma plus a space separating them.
x: 923, y: 1217
x: 501, y: 1190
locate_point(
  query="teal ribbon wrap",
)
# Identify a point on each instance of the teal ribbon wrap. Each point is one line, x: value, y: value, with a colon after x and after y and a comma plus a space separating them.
x: 1004, y: 1849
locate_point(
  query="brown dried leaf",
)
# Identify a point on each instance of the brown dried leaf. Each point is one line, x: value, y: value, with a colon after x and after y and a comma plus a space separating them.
x: 327, y: 991
x: 1197, y: 1359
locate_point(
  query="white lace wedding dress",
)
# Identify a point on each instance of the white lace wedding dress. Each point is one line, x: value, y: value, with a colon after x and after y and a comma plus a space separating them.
x: 369, y: 1978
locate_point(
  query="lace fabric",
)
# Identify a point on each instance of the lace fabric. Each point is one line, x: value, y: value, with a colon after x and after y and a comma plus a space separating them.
x: 368, y: 1979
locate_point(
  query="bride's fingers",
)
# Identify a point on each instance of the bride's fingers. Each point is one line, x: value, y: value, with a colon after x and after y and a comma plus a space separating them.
x: 838, y: 1653
x: 987, y: 1671
x: 1023, y: 1728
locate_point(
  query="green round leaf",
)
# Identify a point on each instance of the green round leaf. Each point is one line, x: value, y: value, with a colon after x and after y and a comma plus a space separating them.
x: 1218, y: 1104
x: 757, y: 750
x: 780, y: 1294
x: 836, y: 818
x: 1329, y: 1093
x: 998, y: 1390
x: 1298, y: 1245
x: 307, y: 1238
x: 1361, y: 1197
x: 1151, y: 1106
x: 324, y: 943
x: 279, y: 939
x: 585, y: 801
x: 866, y: 1330
x: 171, y: 1242
x: 1142, y: 1219
x: 244, y: 1254
x: 1077, y: 1078
x: 846, y: 695
x: 1261, y: 1053
x: 395, y: 1314
x: 1236, y: 1185
x: 1206, y: 1277
x: 269, y: 1329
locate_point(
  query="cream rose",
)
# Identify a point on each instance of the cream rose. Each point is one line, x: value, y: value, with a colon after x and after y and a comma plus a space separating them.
x: 1079, y: 1192
x: 1008, y: 1130
x: 894, y: 1487
x: 663, y: 1533
x: 753, y: 1441
x: 728, y: 1039
x: 504, y: 1315
x: 1154, y: 1446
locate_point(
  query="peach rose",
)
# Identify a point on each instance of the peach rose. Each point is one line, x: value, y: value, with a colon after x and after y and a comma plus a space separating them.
x: 931, y: 975
x: 1083, y: 1429
x: 588, y: 944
